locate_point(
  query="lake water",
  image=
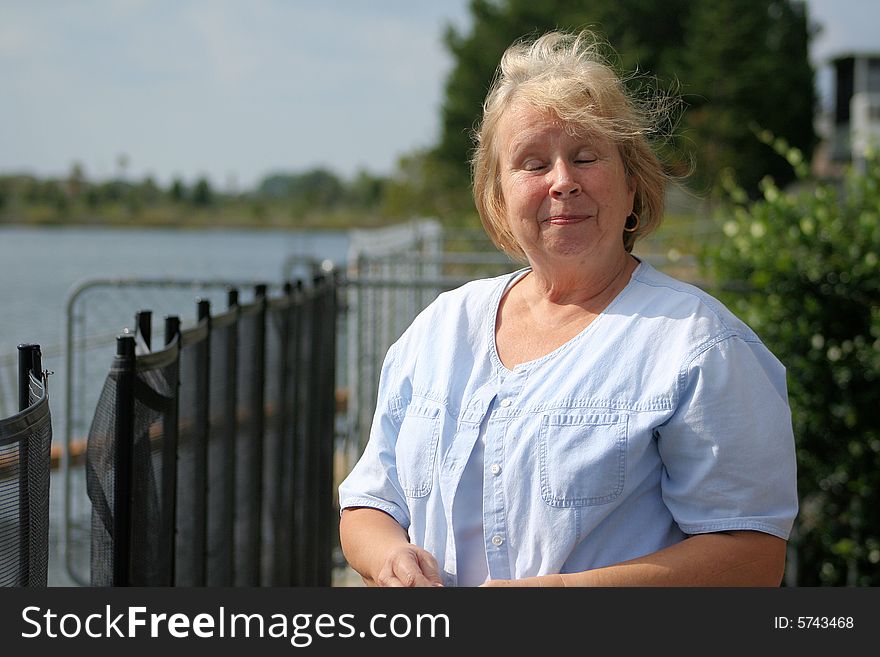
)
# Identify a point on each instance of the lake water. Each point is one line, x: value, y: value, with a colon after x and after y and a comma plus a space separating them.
x: 39, y: 266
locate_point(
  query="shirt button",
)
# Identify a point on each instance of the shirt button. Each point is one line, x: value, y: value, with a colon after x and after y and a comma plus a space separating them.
x: 495, y: 468
x: 497, y: 540
x: 505, y: 403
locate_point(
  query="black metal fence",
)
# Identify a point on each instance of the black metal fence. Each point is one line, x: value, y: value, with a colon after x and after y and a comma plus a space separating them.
x: 25, y: 443
x: 210, y: 460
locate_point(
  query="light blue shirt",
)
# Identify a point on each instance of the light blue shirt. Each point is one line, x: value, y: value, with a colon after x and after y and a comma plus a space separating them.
x: 665, y: 417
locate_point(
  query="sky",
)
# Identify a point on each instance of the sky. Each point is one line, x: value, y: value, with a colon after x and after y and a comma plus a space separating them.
x: 235, y: 90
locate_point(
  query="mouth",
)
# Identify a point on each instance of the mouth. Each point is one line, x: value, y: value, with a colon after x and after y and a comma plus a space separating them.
x: 564, y: 219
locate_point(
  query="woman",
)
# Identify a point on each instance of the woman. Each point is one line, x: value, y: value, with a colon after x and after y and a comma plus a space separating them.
x: 586, y: 421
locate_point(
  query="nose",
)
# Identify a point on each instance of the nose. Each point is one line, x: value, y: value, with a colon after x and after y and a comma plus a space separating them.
x: 563, y: 185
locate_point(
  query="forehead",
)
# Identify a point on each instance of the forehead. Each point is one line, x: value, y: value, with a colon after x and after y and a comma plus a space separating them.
x: 523, y: 125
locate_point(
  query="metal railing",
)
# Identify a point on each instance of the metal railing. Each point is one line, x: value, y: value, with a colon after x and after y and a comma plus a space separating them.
x: 92, y: 307
x: 210, y: 461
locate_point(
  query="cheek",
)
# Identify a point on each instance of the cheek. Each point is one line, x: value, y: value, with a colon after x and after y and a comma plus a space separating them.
x: 524, y: 194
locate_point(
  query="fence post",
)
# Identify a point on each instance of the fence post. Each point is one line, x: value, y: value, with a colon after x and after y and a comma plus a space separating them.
x: 330, y: 493
x: 28, y: 361
x: 299, y: 452
x: 325, y: 316
x: 144, y: 324
x: 226, y: 574
x: 124, y: 432
x: 320, y: 520
x: 200, y: 450
x: 170, y: 431
x: 259, y: 410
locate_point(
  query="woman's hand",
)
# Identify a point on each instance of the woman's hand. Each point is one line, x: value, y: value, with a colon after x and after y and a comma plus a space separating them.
x: 735, y: 558
x: 409, y: 566
x: 378, y: 548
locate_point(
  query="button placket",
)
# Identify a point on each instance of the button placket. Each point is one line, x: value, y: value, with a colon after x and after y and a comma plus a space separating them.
x: 509, y: 388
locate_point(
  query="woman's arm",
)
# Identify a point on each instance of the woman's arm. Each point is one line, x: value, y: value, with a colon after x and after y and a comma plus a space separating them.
x: 377, y: 547
x: 737, y: 558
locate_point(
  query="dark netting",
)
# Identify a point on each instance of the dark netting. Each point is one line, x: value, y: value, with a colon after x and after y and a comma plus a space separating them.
x: 100, y: 482
x: 152, y: 403
x: 25, y: 443
x: 277, y: 448
x: 249, y: 444
x: 221, y: 450
x: 191, y: 457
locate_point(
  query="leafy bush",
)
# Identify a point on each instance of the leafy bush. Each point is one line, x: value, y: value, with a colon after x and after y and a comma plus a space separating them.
x: 801, y: 267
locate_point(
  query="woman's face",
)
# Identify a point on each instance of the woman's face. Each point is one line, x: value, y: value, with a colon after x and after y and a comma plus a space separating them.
x: 566, y: 198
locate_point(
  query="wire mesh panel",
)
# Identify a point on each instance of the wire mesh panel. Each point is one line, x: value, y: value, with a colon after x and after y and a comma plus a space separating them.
x: 25, y: 442
x: 129, y: 460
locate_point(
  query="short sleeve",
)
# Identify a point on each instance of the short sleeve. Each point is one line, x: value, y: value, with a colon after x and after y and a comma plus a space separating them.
x: 728, y: 450
x: 373, y: 481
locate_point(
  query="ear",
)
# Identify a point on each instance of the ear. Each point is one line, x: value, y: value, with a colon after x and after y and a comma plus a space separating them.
x: 631, y: 189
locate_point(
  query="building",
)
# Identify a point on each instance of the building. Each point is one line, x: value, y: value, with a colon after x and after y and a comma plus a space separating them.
x: 856, y: 106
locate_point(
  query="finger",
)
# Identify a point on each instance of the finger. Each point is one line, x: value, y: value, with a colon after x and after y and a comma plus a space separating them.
x: 403, y: 570
x: 411, y: 575
x: 430, y: 569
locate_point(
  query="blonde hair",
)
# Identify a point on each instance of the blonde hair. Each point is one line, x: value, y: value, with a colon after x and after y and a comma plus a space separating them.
x: 567, y: 74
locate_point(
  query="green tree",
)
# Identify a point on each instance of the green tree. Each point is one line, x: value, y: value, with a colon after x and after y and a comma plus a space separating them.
x: 365, y: 191
x: 805, y: 264
x: 747, y: 67
x: 76, y: 180
x: 203, y: 195
x: 314, y: 190
x: 148, y: 191
x: 424, y: 186
x: 177, y: 192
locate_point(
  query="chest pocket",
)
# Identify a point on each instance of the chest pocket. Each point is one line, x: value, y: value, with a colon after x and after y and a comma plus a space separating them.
x: 583, y: 459
x: 417, y: 449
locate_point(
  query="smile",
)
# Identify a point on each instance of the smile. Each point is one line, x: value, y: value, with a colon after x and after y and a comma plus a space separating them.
x: 565, y: 219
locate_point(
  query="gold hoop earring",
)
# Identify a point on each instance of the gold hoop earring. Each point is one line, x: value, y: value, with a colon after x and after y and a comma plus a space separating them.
x: 626, y: 229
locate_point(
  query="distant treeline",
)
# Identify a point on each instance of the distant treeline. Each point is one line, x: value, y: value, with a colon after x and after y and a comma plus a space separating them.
x: 317, y: 197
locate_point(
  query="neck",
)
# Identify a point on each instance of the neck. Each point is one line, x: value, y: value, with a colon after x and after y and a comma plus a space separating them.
x: 582, y: 285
